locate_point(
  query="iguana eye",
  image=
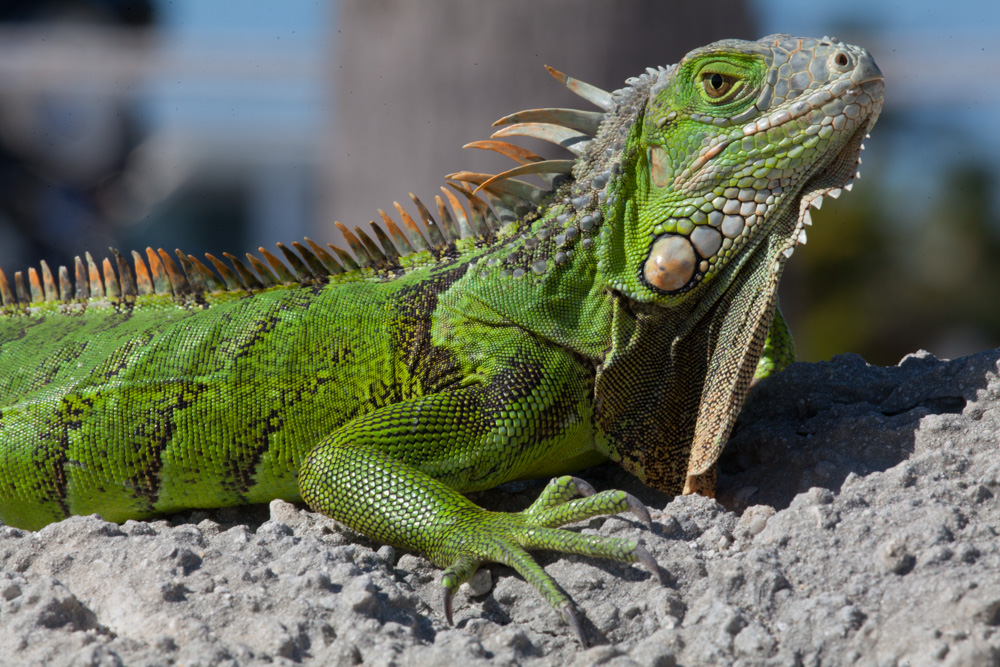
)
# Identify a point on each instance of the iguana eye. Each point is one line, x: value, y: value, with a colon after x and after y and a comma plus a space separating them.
x: 717, y: 85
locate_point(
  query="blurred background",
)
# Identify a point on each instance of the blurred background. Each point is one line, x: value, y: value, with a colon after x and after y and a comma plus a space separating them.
x: 216, y: 125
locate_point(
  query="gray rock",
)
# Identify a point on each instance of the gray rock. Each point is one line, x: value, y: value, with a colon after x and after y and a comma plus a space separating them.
x: 856, y: 524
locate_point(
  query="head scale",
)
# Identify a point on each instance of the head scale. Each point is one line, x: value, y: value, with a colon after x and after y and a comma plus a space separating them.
x: 730, y: 147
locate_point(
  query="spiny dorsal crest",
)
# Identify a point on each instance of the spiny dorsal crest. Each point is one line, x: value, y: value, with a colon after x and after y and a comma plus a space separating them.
x: 507, y: 199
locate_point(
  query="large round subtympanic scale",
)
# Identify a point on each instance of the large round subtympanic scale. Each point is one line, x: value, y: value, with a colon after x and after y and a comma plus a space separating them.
x: 671, y: 263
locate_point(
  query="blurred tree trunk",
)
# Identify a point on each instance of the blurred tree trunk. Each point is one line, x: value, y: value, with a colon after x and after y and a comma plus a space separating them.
x: 416, y: 80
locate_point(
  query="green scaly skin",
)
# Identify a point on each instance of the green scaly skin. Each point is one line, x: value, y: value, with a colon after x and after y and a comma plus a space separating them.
x: 621, y: 316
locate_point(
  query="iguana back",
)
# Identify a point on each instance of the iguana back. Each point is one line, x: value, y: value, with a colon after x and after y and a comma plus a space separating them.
x: 131, y: 411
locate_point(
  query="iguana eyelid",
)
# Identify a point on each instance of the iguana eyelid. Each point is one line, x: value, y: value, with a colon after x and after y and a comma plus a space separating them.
x: 725, y: 90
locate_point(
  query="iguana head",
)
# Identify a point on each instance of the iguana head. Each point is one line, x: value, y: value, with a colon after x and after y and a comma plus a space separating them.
x: 710, y: 167
x: 730, y: 147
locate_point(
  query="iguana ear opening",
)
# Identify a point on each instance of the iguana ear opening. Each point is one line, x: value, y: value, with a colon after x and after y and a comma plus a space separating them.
x: 659, y: 166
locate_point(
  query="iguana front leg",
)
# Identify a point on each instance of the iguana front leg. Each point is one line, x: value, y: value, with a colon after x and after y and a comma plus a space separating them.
x: 396, y: 474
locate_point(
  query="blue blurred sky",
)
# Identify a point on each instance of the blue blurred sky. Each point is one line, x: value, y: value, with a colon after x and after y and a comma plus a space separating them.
x: 299, y: 22
x: 891, y: 15
x: 295, y: 29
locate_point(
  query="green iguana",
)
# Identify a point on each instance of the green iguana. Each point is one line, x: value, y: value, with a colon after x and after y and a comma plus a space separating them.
x: 620, y: 313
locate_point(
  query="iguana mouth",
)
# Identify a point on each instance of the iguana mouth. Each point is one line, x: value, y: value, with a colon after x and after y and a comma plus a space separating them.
x: 838, y: 173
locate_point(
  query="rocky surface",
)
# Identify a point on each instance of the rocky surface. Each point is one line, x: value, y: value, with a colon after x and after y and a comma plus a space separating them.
x: 858, y: 525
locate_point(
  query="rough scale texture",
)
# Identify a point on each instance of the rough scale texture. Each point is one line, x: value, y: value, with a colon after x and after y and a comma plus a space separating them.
x: 622, y: 314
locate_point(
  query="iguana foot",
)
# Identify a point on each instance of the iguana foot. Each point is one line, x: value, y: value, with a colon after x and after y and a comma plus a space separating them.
x: 429, y: 516
x: 507, y: 537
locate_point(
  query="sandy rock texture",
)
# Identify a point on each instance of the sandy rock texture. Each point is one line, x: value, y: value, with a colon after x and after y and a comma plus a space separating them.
x: 857, y: 523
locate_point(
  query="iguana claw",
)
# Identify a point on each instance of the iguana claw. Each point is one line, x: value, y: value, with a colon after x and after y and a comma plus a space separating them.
x: 572, y: 618
x: 647, y: 560
x: 456, y: 574
x: 449, y: 598
x: 583, y: 487
x: 507, y: 538
x: 639, y: 510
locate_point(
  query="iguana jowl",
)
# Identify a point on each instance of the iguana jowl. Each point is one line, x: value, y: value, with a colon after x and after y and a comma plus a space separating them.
x: 621, y: 314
